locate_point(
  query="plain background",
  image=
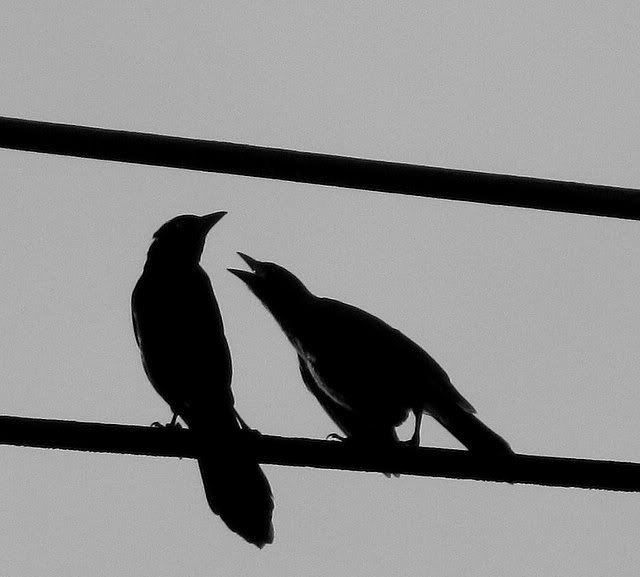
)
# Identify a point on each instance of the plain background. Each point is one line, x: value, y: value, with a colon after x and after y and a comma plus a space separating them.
x: 534, y: 315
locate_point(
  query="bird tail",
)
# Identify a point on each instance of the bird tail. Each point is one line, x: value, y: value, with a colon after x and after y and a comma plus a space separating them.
x: 472, y: 432
x: 236, y: 488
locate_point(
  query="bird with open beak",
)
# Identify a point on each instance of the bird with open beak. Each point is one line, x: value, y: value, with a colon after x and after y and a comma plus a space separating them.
x: 367, y: 375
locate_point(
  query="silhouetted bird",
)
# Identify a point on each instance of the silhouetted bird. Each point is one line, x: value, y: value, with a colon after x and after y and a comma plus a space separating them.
x: 179, y: 330
x: 366, y: 375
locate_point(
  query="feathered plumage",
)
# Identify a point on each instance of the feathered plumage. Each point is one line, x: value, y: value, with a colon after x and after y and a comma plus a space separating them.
x: 179, y: 329
x: 366, y: 375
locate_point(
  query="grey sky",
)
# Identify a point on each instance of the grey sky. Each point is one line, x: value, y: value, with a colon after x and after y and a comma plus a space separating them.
x: 533, y: 315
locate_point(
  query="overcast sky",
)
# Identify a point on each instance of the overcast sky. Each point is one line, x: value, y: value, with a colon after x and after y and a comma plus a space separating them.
x: 534, y: 315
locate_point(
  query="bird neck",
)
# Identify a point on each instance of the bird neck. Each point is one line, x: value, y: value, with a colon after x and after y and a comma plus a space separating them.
x: 172, y: 255
x: 292, y: 314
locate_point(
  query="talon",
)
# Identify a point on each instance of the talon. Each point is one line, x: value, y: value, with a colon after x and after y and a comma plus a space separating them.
x: 336, y: 437
x: 243, y: 425
x: 156, y: 424
x: 246, y: 429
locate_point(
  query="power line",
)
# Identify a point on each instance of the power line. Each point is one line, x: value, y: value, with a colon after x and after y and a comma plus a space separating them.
x: 428, y: 462
x: 346, y: 172
x: 324, y: 169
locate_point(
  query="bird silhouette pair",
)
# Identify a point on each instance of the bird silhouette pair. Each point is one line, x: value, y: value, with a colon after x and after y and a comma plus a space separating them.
x: 365, y: 374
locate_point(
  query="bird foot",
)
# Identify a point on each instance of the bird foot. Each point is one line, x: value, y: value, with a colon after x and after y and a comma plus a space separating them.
x: 336, y: 437
x: 157, y: 424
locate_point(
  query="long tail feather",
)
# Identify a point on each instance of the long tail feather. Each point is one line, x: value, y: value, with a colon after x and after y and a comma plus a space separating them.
x: 473, y: 433
x: 235, y: 487
x: 238, y: 491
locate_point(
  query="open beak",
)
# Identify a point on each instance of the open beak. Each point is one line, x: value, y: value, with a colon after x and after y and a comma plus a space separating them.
x: 254, y: 264
x: 248, y: 277
x: 244, y: 275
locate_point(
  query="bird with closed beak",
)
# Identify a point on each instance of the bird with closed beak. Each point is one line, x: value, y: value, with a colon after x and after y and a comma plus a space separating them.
x: 366, y: 375
x: 179, y: 330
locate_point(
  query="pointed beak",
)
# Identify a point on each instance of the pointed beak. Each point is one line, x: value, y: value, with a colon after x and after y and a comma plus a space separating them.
x: 254, y: 264
x: 244, y: 275
x: 251, y: 278
x: 209, y: 220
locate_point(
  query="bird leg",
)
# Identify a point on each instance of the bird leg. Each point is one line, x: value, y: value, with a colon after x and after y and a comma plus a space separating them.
x: 415, y: 438
x: 243, y: 425
x: 246, y: 428
x: 172, y: 425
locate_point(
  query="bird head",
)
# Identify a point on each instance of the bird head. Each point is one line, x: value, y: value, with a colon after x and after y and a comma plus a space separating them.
x: 278, y: 289
x: 183, y: 237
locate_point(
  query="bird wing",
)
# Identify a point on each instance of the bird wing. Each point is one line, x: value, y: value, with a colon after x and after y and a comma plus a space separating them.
x: 179, y: 330
x: 355, y: 425
x: 366, y: 361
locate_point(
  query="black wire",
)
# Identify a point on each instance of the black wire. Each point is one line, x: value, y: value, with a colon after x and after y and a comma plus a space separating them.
x: 373, y: 175
x: 428, y: 462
